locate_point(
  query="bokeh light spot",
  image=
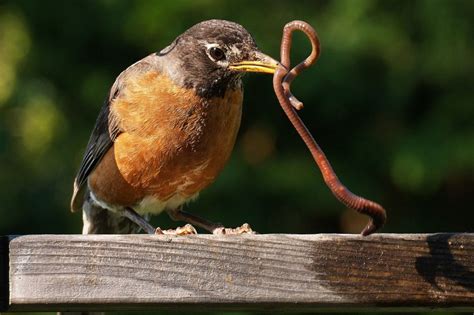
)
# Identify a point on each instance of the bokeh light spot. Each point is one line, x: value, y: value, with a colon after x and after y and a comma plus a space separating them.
x: 14, y: 46
x: 258, y: 144
x: 38, y: 122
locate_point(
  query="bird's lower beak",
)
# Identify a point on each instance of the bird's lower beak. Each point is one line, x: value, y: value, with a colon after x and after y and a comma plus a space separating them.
x: 259, y: 63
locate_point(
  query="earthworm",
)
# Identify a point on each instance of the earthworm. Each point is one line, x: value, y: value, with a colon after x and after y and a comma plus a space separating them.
x: 281, y: 84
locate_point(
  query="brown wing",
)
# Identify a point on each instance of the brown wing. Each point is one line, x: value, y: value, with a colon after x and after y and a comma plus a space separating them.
x: 105, y: 131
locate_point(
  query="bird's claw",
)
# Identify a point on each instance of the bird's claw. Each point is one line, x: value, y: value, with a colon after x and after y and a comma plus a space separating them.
x: 188, y: 229
x: 244, y: 229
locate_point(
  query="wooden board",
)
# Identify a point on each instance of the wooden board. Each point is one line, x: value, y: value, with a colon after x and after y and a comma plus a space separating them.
x: 255, y: 272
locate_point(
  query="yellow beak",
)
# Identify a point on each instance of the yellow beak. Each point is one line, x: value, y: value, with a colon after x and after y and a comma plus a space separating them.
x: 260, y: 63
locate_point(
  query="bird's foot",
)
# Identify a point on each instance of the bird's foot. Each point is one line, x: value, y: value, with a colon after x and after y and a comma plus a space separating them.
x: 244, y: 229
x: 188, y: 229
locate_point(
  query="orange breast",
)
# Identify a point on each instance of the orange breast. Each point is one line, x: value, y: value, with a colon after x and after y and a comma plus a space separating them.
x: 174, y: 142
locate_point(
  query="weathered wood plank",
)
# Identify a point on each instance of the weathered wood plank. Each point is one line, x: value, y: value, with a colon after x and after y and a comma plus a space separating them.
x: 283, y: 272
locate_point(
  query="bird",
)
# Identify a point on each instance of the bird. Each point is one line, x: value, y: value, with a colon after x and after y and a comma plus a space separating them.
x: 166, y: 130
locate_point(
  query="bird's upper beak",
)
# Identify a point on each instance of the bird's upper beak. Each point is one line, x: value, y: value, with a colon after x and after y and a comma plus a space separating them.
x: 258, y: 63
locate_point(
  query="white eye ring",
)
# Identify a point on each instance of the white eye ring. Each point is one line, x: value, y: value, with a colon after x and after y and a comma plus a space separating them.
x: 215, y: 53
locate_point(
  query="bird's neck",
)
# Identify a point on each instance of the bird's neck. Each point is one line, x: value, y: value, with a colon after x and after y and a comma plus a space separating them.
x: 218, y: 88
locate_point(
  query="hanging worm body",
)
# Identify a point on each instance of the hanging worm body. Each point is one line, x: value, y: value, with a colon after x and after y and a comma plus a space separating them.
x: 281, y: 83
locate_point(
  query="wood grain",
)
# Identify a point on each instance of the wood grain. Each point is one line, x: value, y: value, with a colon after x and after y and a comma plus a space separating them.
x: 255, y: 272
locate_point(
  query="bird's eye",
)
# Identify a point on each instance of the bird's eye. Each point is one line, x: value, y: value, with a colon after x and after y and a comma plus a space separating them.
x: 216, y: 53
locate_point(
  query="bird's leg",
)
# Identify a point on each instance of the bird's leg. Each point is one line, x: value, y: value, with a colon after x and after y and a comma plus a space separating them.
x: 133, y: 216
x: 179, y: 214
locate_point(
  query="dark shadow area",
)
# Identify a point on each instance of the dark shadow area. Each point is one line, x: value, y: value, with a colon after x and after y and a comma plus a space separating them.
x: 442, y: 263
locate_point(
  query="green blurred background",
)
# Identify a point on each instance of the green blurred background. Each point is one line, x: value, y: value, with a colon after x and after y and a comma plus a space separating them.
x: 390, y: 101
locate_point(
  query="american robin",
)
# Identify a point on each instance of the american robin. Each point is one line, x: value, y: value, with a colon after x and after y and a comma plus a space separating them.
x: 166, y: 130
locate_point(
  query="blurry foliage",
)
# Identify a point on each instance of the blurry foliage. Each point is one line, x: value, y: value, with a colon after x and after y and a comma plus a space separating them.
x: 390, y: 101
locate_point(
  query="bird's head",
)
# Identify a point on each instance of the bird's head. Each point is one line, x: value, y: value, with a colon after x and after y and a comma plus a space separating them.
x: 212, y: 56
